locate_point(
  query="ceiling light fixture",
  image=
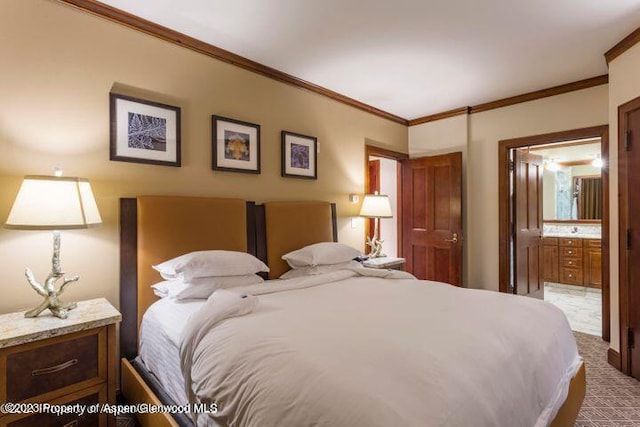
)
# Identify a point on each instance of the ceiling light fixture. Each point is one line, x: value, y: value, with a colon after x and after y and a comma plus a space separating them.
x: 597, y: 162
x: 552, y: 165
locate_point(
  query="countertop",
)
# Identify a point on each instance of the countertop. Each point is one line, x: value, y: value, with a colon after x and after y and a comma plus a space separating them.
x: 574, y: 235
x: 16, y: 329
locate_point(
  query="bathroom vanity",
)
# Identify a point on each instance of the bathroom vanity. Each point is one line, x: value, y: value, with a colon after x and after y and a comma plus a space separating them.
x: 572, y: 255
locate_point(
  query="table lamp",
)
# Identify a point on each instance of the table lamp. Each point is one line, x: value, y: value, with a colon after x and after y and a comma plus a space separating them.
x: 53, y: 203
x: 376, y: 206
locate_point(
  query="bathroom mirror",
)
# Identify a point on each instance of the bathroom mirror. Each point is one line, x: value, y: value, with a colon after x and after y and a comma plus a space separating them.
x: 572, y: 180
x: 588, y: 197
x: 572, y: 193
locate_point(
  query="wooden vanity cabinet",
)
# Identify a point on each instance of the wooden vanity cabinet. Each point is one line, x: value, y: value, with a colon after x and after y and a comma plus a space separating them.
x: 592, y: 263
x: 572, y: 261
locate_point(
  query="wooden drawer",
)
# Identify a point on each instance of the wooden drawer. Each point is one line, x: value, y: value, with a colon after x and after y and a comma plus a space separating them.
x: 570, y: 241
x: 571, y: 262
x: 592, y: 243
x: 571, y: 276
x: 52, y: 367
x: 90, y: 396
x: 571, y: 252
x: 550, y: 241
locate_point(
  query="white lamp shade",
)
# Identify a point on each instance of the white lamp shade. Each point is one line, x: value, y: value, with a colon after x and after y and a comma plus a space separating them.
x: 54, y: 203
x: 376, y: 206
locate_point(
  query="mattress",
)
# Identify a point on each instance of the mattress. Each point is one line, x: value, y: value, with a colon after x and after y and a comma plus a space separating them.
x: 160, y: 332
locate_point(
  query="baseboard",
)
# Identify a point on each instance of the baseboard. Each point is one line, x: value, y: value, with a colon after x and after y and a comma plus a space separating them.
x: 613, y: 357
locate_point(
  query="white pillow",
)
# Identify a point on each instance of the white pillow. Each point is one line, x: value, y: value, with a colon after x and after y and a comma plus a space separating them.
x: 208, y: 264
x: 318, y: 269
x: 203, y: 287
x: 168, y: 288
x: 321, y: 254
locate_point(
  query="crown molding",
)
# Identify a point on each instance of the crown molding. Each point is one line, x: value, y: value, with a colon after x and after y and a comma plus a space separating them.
x: 439, y: 116
x: 121, y: 17
x: 543, y: 93
x: 622, y: 46
x: 505, y: 102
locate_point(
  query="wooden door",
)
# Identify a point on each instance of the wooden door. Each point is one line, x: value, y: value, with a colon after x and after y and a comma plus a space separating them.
x: 629, y: 159
x: 527, y: 217
x: 432, y: 217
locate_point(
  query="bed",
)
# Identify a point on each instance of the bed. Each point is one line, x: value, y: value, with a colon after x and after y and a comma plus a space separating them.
x: 268, y: 231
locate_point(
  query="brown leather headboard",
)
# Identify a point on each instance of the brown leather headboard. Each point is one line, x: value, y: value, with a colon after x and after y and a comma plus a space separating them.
x: 293, y: 225
x: 157, y: 228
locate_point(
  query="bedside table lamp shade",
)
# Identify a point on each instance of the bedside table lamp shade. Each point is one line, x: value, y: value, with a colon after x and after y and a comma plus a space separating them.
x: 53, y: 203
x: 376, y: 206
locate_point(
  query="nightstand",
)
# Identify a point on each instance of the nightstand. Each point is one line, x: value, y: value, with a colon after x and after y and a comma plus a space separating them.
x: 59, y: 361
x: 389, y: 263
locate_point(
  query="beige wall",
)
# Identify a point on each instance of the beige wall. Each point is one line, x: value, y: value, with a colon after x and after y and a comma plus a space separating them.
x: 438, y: 137
x: 58, y: 67
x: 624, y: 85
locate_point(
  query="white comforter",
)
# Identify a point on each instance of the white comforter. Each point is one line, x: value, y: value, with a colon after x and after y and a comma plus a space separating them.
x: 340, y: 349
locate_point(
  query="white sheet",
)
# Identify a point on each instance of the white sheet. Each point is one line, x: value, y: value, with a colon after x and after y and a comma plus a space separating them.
x: 363, y: 351
x: 160, y: 332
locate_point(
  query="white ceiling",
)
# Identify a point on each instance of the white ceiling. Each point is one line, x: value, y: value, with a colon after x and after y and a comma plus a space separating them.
x: 410, y: 57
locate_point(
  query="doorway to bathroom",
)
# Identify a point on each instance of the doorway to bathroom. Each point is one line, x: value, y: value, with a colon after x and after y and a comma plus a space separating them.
x: 554, y: 223
x: 383, y: 176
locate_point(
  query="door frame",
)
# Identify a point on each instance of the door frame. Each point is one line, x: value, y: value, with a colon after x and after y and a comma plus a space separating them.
x: 504, y: 203
x: 624, y: 302
x: 372, y: 150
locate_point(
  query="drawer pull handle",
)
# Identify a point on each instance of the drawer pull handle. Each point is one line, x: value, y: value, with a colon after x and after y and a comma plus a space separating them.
x: 570, y: 242
x: 53, y: 369
x: 73, y: 423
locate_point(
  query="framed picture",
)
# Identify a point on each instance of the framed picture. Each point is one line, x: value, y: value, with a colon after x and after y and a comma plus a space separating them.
x: 235, y: 145
x: 299, y: 158
x: 144, y: 131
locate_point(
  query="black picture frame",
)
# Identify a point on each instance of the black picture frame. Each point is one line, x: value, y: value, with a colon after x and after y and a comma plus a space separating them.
x: 235, y: 145
x: 143, y: 131
x: 299, y: 156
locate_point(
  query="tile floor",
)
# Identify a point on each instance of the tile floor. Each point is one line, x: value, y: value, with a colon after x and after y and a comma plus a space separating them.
x: 582, y: 306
